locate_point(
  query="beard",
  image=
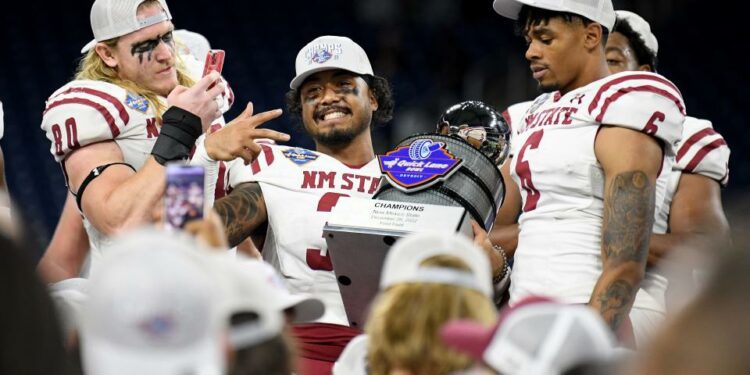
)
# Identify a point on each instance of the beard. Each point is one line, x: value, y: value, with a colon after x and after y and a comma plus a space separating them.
x: 545, y: 89
x: 338, y: 137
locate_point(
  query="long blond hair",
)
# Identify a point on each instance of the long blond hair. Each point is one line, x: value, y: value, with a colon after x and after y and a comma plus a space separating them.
x: 404, y: 324
x: 92, y: 67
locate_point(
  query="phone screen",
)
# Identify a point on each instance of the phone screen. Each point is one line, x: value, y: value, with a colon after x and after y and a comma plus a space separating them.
x: 184, y: 199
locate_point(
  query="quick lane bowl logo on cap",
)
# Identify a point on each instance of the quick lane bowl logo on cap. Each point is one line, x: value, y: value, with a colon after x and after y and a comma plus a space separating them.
x: 139, y: 103
x: 300, y: 156
x: 323, y: 52
x: 156, y: 327
x: 419, y: 165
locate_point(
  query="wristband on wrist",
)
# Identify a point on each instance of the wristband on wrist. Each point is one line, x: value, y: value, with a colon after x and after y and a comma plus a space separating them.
x: 179, y: 131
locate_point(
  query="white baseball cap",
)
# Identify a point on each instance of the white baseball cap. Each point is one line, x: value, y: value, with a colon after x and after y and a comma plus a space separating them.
x: 353, y: 359
x: 113, y: 18
x: 155, y: 308
x: 600, y: 11
x: 404, y: 259
x: 537, y: 336
x: 257, y: 280
x: 330, y: 52
x: 641, y: 27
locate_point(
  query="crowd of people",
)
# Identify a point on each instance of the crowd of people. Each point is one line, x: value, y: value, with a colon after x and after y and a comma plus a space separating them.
x: 599, y: 260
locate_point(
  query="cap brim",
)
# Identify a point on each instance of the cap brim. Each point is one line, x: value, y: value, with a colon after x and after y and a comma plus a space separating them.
x: 507, y: 8
x: 88, y: 46
x: 101, y: 357
x: 306, y: 308
x: 468, y: 337
x: 299, y: 79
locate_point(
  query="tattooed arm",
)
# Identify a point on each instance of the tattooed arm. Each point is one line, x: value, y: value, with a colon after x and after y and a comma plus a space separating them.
x: 631, y: 162
x: 242, y: 211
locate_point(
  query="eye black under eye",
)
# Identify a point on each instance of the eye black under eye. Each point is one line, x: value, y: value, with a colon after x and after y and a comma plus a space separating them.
x: 145, y: 46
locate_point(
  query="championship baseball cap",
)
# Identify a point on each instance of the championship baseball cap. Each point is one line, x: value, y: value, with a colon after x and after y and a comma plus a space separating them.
x: 258, y: 280
x: 155, y: 307
x: 330, y: 52
x: 641, y: 27
x: 113, y: 18
x: 537, y: 336
x: 600, y: 11
x: 403, y: 262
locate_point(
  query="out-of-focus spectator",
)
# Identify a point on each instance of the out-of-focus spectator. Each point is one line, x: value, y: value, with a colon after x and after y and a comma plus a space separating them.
x: 710, y: 335
x: 255, y: 280
x: 535, y: 337
x: 31, y: 342
x: 156, y: 307
x: 427, y: 280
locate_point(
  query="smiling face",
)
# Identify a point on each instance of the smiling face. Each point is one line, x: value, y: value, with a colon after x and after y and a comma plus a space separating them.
x: 337, y: 106
x: 146, y: 56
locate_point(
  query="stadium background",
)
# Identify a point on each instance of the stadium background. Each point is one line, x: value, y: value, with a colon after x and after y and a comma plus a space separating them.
x: 435, y: 53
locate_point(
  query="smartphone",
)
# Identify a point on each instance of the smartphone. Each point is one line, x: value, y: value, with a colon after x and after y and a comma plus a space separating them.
x: 214, y: 61
x: 183, y: 200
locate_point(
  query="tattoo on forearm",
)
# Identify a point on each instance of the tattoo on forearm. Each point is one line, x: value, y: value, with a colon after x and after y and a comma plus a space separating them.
x: 615, y: 302
x: 628, y: 218
x: 241, y: 212
x: 626, y: 230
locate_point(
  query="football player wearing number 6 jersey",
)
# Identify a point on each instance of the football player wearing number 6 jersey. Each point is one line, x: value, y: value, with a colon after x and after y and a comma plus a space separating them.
x: 692, y: 213
x: 590, y: 156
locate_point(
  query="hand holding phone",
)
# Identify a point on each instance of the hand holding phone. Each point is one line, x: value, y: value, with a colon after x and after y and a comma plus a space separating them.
x: 214, y: 62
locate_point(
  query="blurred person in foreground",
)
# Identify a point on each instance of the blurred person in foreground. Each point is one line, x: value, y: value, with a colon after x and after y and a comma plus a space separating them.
x: 587, y: 156
x: 537, y: 336
x: 711, y: 334
x: 163, y: 305
x: 132, y: 108
x: 692, y: 215
x: 31, y: 341
x: 427, y: 280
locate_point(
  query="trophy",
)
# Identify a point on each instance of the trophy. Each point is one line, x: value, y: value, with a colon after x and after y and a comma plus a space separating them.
x: 431, y: 182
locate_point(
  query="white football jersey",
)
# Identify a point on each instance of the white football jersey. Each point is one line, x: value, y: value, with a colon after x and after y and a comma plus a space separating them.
x: 701, y: 151
x: 562, y: 181
x: 84, y: 112
x: 514, y: 116
x: 300, y: 187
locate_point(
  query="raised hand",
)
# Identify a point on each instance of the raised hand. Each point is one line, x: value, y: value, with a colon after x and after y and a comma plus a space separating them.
x: 199, y: 100
x: 237, y: 138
